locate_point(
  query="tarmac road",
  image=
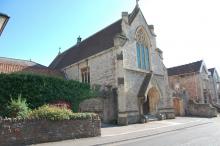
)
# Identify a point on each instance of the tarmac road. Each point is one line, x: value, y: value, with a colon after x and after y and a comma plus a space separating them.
x: 201, y: 135
x: 182, y: 131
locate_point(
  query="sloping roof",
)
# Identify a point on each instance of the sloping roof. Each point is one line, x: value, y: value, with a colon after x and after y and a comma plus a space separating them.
x: 20, y: 62
x: 187, y: 68
x: 211, y: 70
x: 144, y: 85
x: 11, y: 65
x: 97, y: 43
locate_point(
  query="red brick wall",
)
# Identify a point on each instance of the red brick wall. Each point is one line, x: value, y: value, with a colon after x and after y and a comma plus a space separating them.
x: 190, y: 82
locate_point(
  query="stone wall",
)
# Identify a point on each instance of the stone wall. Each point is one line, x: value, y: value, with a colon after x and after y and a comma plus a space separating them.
x: 25, y: 132
x: 101, y: 67
x: 201, y: 110
x: 105, y: 106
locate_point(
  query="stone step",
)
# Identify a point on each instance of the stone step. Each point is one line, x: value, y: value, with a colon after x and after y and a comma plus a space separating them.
x: 151, y: 117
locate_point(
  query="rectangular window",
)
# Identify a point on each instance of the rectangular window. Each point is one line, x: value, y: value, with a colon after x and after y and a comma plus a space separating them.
x: 143, y: 61
x: 85, y: 74
x: 147, y: 58
x: 138, y: 56
x: 142, y: 57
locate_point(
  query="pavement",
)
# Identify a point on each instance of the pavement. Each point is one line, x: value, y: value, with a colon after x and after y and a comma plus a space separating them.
x: 118, y: 134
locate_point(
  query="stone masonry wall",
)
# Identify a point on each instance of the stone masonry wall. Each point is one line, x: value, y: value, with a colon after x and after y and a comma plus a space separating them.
x: 202, y: 110
x: 102, y: 69
x: 134, y: 76
x: 25, y: 132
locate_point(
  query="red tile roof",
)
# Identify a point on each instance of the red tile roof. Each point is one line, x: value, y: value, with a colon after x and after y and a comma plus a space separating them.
x: 10, y: 65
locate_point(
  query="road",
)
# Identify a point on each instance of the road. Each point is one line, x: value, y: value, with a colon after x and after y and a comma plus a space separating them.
x: 201, y: 135
x: 182, y: 131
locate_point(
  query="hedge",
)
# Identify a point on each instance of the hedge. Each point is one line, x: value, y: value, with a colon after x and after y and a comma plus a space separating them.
x: 50, y: 112
x: 39, y: 90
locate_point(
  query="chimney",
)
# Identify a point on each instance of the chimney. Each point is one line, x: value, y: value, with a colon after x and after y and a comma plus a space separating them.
x: 79, y: 39
x: 151, y: 27
x: 125, y: 17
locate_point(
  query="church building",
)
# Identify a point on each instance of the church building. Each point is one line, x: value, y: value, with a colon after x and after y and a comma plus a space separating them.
x: 125, y: 58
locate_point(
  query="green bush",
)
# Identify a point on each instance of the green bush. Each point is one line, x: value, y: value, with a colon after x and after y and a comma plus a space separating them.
x: 51, y: 112
x: 18, y: 108
x: 39, y: 90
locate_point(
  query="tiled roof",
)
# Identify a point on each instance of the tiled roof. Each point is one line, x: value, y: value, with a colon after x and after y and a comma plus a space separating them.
x: 10, y: 65
x: 98, y: 42
x: 183, y: 69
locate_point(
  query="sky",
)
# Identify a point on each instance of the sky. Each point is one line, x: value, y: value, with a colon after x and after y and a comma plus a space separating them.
x: 187, y: 30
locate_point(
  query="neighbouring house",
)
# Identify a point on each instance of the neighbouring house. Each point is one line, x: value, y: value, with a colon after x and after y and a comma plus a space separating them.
x: 214, y: 81
x: 122, y: 58
x: 10, y: 65
x: 191, y: 89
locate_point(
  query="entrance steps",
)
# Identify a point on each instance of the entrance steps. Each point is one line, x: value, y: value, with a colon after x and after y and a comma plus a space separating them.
x: 151, y: 117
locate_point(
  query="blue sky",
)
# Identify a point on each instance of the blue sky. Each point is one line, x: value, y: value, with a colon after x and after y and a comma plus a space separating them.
x: 37, y: 28
x: 187, y: 30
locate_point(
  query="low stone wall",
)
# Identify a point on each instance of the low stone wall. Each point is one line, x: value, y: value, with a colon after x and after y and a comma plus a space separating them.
x: 201, y: 110
x: 217, y: 106
x: 24, y: 132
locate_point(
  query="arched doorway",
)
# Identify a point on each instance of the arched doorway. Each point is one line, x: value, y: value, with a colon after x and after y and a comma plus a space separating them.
x: 150, y: 105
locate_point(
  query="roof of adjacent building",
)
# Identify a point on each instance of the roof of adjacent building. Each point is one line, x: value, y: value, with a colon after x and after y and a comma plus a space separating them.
x: 96, y: 43
x: 10, y: 65
x: 211, y: 70
x: 20, y: 62
x: 186, y: 68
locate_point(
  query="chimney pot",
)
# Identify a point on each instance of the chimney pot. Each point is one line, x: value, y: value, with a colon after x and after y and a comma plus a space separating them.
x: 79, y: 39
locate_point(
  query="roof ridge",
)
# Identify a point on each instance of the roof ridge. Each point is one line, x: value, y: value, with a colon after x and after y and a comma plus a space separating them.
x: 185, y: 64
x: 24, y: 60
x: 91, y: 36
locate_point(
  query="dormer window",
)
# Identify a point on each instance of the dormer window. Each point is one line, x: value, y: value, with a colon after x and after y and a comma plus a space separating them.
x: 142, y: 49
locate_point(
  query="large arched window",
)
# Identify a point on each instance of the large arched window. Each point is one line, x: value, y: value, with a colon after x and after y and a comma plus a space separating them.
x: 142, y: 49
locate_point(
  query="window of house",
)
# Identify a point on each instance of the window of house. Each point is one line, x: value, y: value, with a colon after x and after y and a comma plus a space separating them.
x: 142, y: 50
x: 85, y: 75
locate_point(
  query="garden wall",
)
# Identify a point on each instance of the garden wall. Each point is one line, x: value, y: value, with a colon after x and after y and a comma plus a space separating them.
x: 201, y: 110
x: 23, y: 132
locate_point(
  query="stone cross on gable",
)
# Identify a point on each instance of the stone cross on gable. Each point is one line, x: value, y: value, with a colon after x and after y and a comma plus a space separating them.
x: 137, y: 2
